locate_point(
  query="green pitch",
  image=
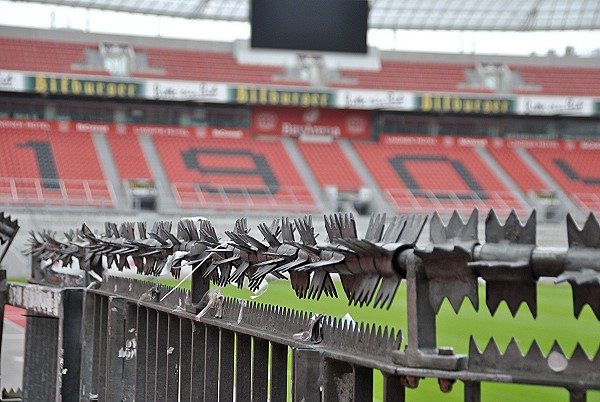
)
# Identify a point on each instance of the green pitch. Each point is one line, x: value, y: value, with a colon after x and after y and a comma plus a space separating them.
x: 555, y: 321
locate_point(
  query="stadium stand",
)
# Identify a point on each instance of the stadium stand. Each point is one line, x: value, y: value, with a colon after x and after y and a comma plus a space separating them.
x: 233, y: 174
x: 423, y: 174
x: 46, y: 167
x: 575, y: 168
x: 219, y: 66
x: 518, y: 170
x: 330, y: 166
x: 574, y: 81
x: 205, y: 66
x: 407, y: 75
x: 45, y: 56
x: 129, y: 158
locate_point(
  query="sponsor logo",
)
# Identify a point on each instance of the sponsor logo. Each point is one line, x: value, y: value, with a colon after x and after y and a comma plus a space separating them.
x: 7, y: 80
x: 356, y: 125
x: 310, y: 116
x: 266, y: 121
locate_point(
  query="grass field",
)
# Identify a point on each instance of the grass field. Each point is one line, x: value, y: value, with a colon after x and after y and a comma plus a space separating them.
x: 555, y: 321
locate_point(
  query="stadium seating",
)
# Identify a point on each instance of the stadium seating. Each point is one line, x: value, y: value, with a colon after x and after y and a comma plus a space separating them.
x: 330, y: 166
x: 197, y: 65
x: 577, y: 172
x: 44, y: 56
x: 518, y: 170
x: 206, y: 66
x: 51, y: 168
x: 233, y: 174
x: 406, y: 75
x: 582, y: 81
x: 422, y: 178
x: 129, y: 158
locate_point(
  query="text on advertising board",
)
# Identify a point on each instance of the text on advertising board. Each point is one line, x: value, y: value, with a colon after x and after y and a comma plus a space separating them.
x: 82, y: 87
x: 455, y: 104
x: 277, y: 97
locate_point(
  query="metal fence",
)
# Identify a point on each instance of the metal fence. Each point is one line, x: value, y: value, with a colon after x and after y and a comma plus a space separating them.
x: 107, y: 338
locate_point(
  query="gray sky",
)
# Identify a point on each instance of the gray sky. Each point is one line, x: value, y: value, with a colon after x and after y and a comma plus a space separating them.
x: 517, y: 43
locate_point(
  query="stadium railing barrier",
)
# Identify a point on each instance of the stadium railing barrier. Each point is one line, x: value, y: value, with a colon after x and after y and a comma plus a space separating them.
x: 96, y: 336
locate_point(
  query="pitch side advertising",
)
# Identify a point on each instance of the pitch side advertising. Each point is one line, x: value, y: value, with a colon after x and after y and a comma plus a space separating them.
x: 311, y: 122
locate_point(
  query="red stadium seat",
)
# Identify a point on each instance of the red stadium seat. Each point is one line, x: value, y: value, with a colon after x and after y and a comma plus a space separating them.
x: 233, y: 174
x: 550, y: 80
x: 517, y: 169
x: 423, y: 178
x: 43, y: 56
x: 576, y: 171
x: 129, y: 158
x: 330, y: 166
x: 51, y: 168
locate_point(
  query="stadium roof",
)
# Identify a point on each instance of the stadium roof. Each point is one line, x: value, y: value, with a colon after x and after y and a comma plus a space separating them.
x: 476, y: 15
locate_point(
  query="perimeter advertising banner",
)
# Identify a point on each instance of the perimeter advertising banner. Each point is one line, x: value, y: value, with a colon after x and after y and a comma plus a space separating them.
x: 63, y: 85
x: 555, y: 105
x: 294, y: 122
x: 124, y: 129
x: 368, y: 99
x: 464, y: 104
x: 269, y: 96
x: 210, y: 92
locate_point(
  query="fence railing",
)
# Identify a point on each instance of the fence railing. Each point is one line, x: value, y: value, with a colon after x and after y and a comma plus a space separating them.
x: 107, y: 338
x: 55, y: 192
x: 243, y: 198
x: 446, y: 202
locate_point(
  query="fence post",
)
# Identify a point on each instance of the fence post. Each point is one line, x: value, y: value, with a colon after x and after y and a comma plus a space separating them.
x: 71, y: 326
x: 306, y: 375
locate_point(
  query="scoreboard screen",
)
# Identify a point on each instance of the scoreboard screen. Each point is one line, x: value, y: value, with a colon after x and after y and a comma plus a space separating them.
x: 310, y: 25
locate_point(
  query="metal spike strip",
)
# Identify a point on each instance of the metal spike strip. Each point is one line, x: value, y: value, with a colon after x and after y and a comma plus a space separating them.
x: 369, y: 268
x: 584, y: 281
x: 369, y: 339
x: 507, y: 266
x: 555, y: 366
x: 445, y: 262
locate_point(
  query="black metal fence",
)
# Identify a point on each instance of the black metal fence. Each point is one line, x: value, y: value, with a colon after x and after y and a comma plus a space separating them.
x: 108, y: 338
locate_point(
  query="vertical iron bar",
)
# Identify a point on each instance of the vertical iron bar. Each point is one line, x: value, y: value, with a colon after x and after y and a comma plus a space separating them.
x: 393, y: 389
x: 115, y: 342
x: 211, y: 364
x: 173, y: 353
x: 185, y: 360
x: 260, y: 370
x: 3, y: 301
x: 97, y: 340
x: 472, y: 391
x: 279, y: 359
x: 102, y: 340
x: 226, y: 366
x: 577, y: 395
x: 363, y: 384
x: 162, y: 333
x: 420, y: 314
x: 41, y: 358
x: 88, y: 346
x: 141, y: 354
x: 130, y: 353
x: 306, y: 375
x: 243, y: 367
x: 151, y: 322
x: 198, y: 361
x: 338, y: 381
x: 71, y: 343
